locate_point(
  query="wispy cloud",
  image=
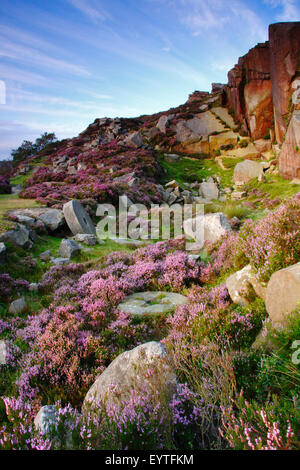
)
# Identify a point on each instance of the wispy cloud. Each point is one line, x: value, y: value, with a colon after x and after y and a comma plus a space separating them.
x: 289, y: 9
x: 90, y: 8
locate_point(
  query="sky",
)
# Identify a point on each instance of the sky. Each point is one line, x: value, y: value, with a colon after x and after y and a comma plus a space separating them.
x: 64, y: 63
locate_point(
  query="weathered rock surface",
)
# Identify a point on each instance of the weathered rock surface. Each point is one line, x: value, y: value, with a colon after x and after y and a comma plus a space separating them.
x: 68, y: 248
x: 164, y: 122
x: 77, y: 218
x: 289, y: 160
x: 284, y: 67
x: 134, y: 140
x: 223, y: 139
x: 46, y: 419
x: 238, y: 284
x: 129, y: 372
x: 18, y: 306
x: 246, y: 171
x: 283, y: 293
x: 209, y: 190
x: 147, y: 303
x: 37, y: 217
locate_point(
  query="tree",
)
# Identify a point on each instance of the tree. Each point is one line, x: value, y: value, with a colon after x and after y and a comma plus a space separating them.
x: 28, y: 149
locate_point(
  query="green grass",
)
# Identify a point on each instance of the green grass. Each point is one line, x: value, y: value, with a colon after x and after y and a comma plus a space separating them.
x: 10, y: 202
x: 275, y: 187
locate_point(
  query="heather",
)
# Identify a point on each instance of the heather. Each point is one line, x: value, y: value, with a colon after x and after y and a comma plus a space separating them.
x: 5, y: 187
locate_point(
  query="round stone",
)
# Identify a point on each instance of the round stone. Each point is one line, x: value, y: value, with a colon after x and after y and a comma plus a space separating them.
x: 147, y: 303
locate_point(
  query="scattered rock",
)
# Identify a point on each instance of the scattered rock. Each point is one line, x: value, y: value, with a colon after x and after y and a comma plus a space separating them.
x: 68, y: 248
x: 147, y: 303
x: 3, y: 353
x: 18, y: 306
x: 237, y: 195
x: 2, y: 253
x: 246, y: 171
x: 46, y: 255
x: 164, y: 122
x: 77, y: 218
x: 60, y: 261
x: 134, y: 139
x: 172, y: 157
x: 53, y: 219
x: 46, y: 418
x: 128, y: 372
x: 283, y: 293
x: 86, y: 238
x: 209, y: 190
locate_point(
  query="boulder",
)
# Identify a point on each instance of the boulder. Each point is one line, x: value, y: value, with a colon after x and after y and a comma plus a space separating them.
x: 289, y: 160
x: 147, y: 303
x: 18, y: 306
x: 238, y: 284
x: 134, y: 140
x: 172, y: 157
x: 246, y: 171
x: 3, y: 353
x: 20, y: 237
x: 209, y: 190
x: 86, y: 238
x: 215, y: 226
x: 46, y: 255
x: 77, y: 218
x: 68, y: 248
x: 128, y: 372
x: 52, y: 219
x: 2, y: 253
x: 263, y: 145
x: 59, y: 261
x: 283, y: 293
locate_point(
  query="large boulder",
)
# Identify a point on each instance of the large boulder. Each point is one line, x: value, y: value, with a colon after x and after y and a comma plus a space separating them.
x: 77, y: 218
x: 164, y: 122
x: 239, y: 282
x: 246, y: 171
x: 147, y: 303
x: 68, y: 248
x: 289, y: 160
x: 39, y: 217
x: 128, y: 372
x: 214, y: 226
x: 52, y: 218
x: 283, y: 293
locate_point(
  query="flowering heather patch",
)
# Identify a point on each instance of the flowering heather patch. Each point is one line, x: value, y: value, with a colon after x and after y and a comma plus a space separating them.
x: 248, y: 426
x: 55, y: 185
x: 8, y: 286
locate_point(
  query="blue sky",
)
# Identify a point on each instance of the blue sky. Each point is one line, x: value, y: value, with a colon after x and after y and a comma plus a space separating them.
x: 66, y: 62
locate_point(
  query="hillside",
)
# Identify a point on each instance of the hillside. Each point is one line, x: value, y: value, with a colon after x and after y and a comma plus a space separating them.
x: 137, y: 341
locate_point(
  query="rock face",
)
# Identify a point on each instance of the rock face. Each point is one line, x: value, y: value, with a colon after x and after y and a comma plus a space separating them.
x: 77, y: 218
x: 18, y: 306
x: 129, y: 372
x: 134, y: 139
x: 284, y: 67
x: 147, y: 303
x: 289, y: 160
x: 283, y: 293
x: 215, y: 226
x: 249, y: 91
x: 68, y: 248
x: 164, y: 122
x: 238, y: 283
x: 223, y: 139
x: 40, y: 217
x: 247, y: 170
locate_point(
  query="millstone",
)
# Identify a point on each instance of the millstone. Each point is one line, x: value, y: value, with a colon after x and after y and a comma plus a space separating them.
x: 77, y: 218
x: 147, y: 303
